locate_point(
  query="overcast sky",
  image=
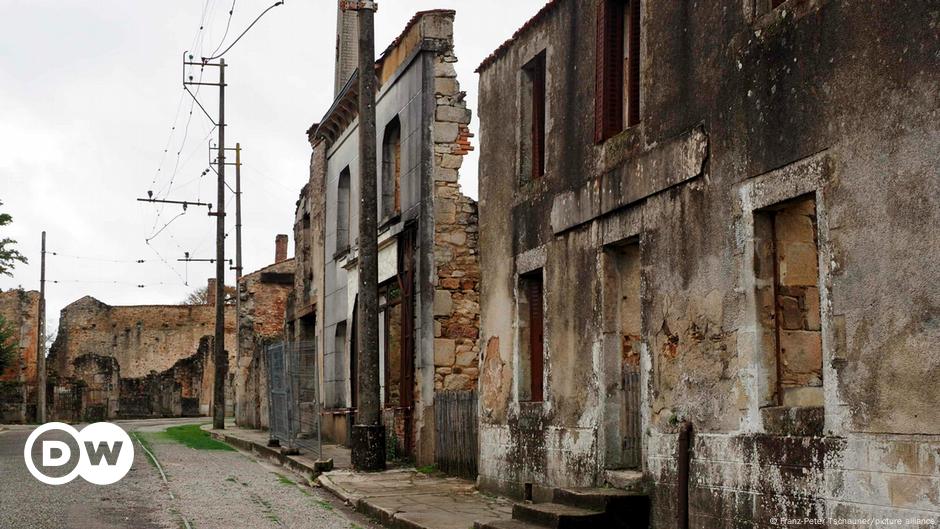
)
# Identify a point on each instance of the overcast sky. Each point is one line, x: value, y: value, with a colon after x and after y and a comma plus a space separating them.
x: 89, y: 91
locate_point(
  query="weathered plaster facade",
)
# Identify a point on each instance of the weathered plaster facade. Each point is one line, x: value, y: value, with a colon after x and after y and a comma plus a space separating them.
x: 759, y: 246
x: 428, y: 263
x: 263, y: 302
x: 101, y: 348
x: 20, y: 310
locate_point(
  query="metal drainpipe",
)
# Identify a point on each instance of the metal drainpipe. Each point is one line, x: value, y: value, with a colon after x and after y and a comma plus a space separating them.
x: 682, y: 489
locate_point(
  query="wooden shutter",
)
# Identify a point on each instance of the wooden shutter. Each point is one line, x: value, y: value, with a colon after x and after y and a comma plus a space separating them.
x: 538, y: 116
x: 534, y: 292
x: 608, y: 103
x: 633, y: 109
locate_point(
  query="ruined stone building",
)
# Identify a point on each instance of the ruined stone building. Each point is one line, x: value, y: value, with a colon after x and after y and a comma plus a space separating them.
x: 20, y: 310
x: 262, y: 305
x: 428, y: 264
x: 136, y: 361
x: 724, y: 214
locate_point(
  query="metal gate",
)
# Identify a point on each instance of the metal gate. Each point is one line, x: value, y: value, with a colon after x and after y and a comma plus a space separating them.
x: 279, y: 391
x: 305, y: 382
x: 294, y: 404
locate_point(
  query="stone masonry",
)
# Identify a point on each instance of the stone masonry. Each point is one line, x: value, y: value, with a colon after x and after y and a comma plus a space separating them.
x: 263, y: 302
x: 457, y: 294
x: 20, y: 310
x: 141, y: 340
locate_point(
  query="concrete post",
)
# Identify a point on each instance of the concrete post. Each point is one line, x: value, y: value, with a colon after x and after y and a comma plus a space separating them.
x: 368, y: 436
x: 219, y: 356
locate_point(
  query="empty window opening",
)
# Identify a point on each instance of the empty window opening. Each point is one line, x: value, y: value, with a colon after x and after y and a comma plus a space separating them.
x: 623, y: 330
x: 391, y: 170
x: 343, y: 212
x: 532, y: 336
x: 617, y: 64
x: 533, y: 118
x: 787, y: 274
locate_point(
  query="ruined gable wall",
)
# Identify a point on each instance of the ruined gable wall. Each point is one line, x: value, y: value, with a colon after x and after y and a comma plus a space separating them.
x: 142, y: 338
x: 263, y: 297
x: 20, y: 309
x: 803, y: 101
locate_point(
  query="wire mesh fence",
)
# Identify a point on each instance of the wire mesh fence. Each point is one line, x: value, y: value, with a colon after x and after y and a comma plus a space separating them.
x: 294, y: 410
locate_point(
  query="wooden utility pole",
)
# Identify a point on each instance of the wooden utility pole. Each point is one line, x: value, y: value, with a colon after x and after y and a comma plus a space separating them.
x: 368, y: 450
x: 41, y: 340
x: 220, y: 357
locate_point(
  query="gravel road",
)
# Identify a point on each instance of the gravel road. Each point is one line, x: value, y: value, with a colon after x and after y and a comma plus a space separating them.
x: 208, y: 489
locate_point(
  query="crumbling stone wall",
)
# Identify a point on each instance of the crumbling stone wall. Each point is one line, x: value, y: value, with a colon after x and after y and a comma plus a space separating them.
x: 20, y: 309
x: 456, y: 257
x: 741, y: 113
x: 142, y: 340
x: 263, y: 302
x: 173, y: 393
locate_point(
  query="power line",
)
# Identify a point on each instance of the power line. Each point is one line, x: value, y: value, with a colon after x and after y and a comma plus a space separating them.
x: 97, y: 259
x: 108, y: 282
x: 168, y: 265
x: 228, y: 24
x: 214, y: 56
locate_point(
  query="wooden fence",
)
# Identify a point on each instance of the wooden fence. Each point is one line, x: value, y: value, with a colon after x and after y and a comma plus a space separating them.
x: 457, y: 447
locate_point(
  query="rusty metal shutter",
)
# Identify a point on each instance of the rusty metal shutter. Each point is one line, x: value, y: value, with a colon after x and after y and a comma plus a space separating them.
x: 633, y: 111
x: 535, y: 293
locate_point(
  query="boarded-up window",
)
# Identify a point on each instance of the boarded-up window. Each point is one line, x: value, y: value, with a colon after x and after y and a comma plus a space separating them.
x: 617, y: 67
x: 533, y: 118
x: 532, y: 336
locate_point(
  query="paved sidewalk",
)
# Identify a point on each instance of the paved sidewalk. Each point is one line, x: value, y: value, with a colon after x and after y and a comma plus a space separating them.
x: 407, y: 499
x: 399, y: 499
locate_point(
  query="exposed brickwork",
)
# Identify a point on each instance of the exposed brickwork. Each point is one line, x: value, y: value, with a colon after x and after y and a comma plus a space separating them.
x: 20, y: 310
x: 263, y: 301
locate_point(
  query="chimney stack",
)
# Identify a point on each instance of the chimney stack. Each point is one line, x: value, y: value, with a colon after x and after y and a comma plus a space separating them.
x: 210, y: 293
x: 280, y: 248
x: 347, y: 46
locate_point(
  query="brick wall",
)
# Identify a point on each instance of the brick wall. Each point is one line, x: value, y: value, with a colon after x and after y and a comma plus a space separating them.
x: 263, y: 301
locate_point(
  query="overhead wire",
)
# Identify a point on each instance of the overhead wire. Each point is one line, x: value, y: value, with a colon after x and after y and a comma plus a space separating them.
x: 219, y: 55
x: 96, y: 259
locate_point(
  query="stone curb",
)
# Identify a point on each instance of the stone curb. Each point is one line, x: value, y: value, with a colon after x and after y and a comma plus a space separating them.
x: 271, y: 454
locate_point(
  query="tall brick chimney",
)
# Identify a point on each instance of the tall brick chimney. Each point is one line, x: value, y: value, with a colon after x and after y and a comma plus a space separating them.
x: 280, y: 248
x: 210, y: 293
x: 347, y: 46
